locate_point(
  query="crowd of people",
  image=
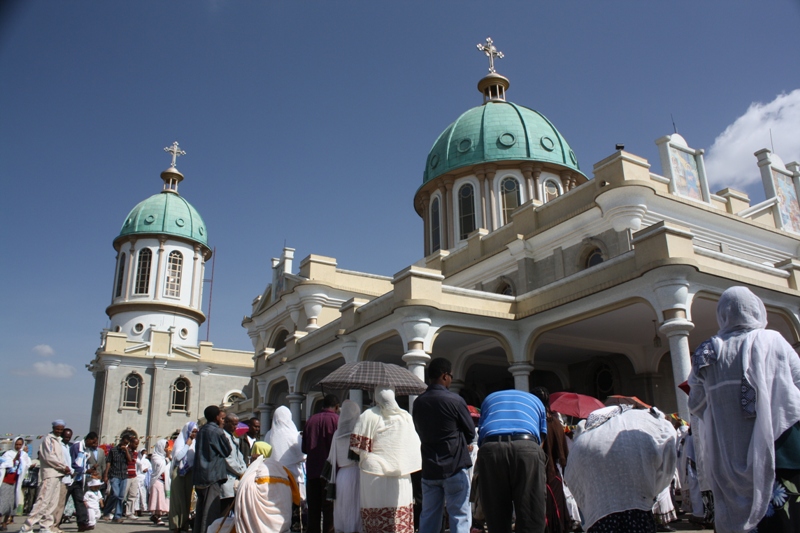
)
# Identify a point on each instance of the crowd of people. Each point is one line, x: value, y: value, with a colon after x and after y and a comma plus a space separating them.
x: 511, y: 465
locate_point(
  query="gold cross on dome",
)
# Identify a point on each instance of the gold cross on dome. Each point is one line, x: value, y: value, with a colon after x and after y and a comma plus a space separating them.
x: 175, y: 151
x: 491, y: 52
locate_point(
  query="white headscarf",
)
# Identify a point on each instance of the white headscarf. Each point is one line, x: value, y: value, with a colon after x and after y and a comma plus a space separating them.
x: 159, y: 461
x: 340, y: 445
x: 385, y: 438
x: 285, y: 439
x: 744, y: 386
x: 183, y: 455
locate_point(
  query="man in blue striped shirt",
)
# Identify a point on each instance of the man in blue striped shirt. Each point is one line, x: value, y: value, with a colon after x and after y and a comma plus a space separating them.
x: 511, y: 463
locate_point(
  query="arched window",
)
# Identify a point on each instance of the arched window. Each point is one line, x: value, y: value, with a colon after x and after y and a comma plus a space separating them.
x: 174, y: 266
x: 143, y: 271
x: 132, y: 391
x: 280, y: 340
x: 180, y: 395
x: 436, y: 238
x: 120, y: 275
x: 552, y: 190
x: 595, y: 257
x: 511, y: 197
x: 466, y: 211
x: 506, y: 289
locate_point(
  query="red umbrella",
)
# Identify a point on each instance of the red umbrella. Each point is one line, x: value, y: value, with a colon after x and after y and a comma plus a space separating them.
x: 684, y: 386
x: 633, y: 401
x: 574, y: 404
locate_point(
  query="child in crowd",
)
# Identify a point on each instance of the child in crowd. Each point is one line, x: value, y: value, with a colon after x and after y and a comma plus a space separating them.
x: 94, y: 502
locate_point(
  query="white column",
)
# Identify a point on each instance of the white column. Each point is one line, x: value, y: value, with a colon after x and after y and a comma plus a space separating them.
x: 677, y: 331
x: 159, y: 274
x: 131, y: 275
x: 415, y: 332
x: 295, y: 404
x: 521, y: 373
x: 195, y: 275
x: 266, y: 411
x: 675, y: 301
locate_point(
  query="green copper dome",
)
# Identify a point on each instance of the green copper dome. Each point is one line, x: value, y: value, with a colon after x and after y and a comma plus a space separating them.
x: 498, y: 131
x: 166, y: 213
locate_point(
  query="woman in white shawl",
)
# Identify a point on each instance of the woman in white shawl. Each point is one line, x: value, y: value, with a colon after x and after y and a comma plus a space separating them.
x: 159, y: 505
x: 13, y: 468
x: 389, y: 450
x: 265, y: 497
x: 744, y: 387
x: 286, y: 445
x: 180, y: 495
x: 617, y: 467
x: 345, y: 472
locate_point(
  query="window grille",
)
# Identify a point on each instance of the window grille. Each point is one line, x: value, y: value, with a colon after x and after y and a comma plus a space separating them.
x: 174, y: 266
x: 180, y: 395
x: 511, y: 196
x: 466, y: 211
x: 436, y: 240
x: 131, y: 391
x: 120, y: 276
x: 143, y: 271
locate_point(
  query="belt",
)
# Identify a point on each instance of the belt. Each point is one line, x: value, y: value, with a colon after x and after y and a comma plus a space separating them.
x: 508, y: 437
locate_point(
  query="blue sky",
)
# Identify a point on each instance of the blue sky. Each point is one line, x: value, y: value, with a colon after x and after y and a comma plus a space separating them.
x: 309, y: 123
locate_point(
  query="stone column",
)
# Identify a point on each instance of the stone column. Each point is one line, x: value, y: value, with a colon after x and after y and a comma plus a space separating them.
x: 195, y: 275
x: 131, y: 274
x: 521, y: 372
x: 159, y: 262
x: 451, y: 222
x: 295, y: 405
x: 492, y: 224
x: 527, y: 172
x: 416, y: 330
x: 481, y: 174
x: 426, y: 225
x: 266, y: 417
x: 673, y: 296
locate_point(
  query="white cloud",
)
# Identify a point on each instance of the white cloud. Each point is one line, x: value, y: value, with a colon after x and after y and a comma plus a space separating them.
x: 45, y: 350
x: 47, y: 369
x: 730, y: 161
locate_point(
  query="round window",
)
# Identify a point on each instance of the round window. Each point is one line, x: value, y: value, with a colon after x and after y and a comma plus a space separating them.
x: 118, y: 329
x: 434, y: 160
x: 507, y: 139
x: 547, y: 143
x: 184, y: 333
x: 149, y: 219
x: 133, y: 382
x: 138, y: 328
x: 180, y: 385
x: 180, y: 222
x: 464, y: 145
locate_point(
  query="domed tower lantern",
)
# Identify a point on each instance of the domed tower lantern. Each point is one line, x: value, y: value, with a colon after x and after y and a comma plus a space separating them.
x: 161, y: 253
x: 492, y: 160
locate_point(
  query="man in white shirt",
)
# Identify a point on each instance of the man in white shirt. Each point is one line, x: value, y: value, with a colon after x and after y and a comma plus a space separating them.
x: 51, y: 458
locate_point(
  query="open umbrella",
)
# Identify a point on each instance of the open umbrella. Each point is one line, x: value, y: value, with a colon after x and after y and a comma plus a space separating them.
x: 574, y: 404
x: 633, y: 401
x: 367, y: 375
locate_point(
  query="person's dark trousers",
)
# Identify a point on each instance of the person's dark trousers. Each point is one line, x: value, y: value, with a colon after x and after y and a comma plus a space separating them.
x: 208, y: 507
x: 320, y: 510
x: 513, y: 472
x: 75, y: 491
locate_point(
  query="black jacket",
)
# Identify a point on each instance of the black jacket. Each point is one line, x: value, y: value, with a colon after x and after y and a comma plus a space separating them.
x: 445, y: 429
x: 211, y: 449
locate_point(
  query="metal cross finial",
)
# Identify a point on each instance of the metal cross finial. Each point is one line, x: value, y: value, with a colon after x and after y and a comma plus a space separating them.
x: 175, y: 151
x: 491, y: 52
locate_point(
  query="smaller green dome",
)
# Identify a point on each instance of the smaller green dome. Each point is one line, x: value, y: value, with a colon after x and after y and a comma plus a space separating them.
x: 166, y: 213
x: 498, y: 131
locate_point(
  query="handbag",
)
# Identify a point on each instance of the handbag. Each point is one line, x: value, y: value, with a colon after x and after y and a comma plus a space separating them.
x: 330, y: 491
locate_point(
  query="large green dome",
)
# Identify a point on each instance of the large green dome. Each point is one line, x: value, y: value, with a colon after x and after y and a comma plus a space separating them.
x: 498, y: 131
x: 166, y: 213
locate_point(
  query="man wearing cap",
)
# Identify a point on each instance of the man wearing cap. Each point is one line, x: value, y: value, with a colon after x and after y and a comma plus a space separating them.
x: 53, y: 468
x: 445, y: 430
x: 511, y: 462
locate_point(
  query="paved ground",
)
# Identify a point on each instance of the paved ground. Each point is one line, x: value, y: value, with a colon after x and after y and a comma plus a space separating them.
x: 145, y: 526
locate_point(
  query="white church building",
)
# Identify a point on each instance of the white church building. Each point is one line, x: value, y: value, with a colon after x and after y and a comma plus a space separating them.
x: 152, y: 372
x: 538, y: 272
x: 534, y: 271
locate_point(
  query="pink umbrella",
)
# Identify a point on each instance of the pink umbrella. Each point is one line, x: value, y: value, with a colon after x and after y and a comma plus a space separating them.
x: 574, y: 404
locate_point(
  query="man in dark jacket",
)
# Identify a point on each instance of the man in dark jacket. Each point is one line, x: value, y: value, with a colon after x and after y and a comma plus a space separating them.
x: 209, y: 472
x: 317, y: 439
x: 446, y: 429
